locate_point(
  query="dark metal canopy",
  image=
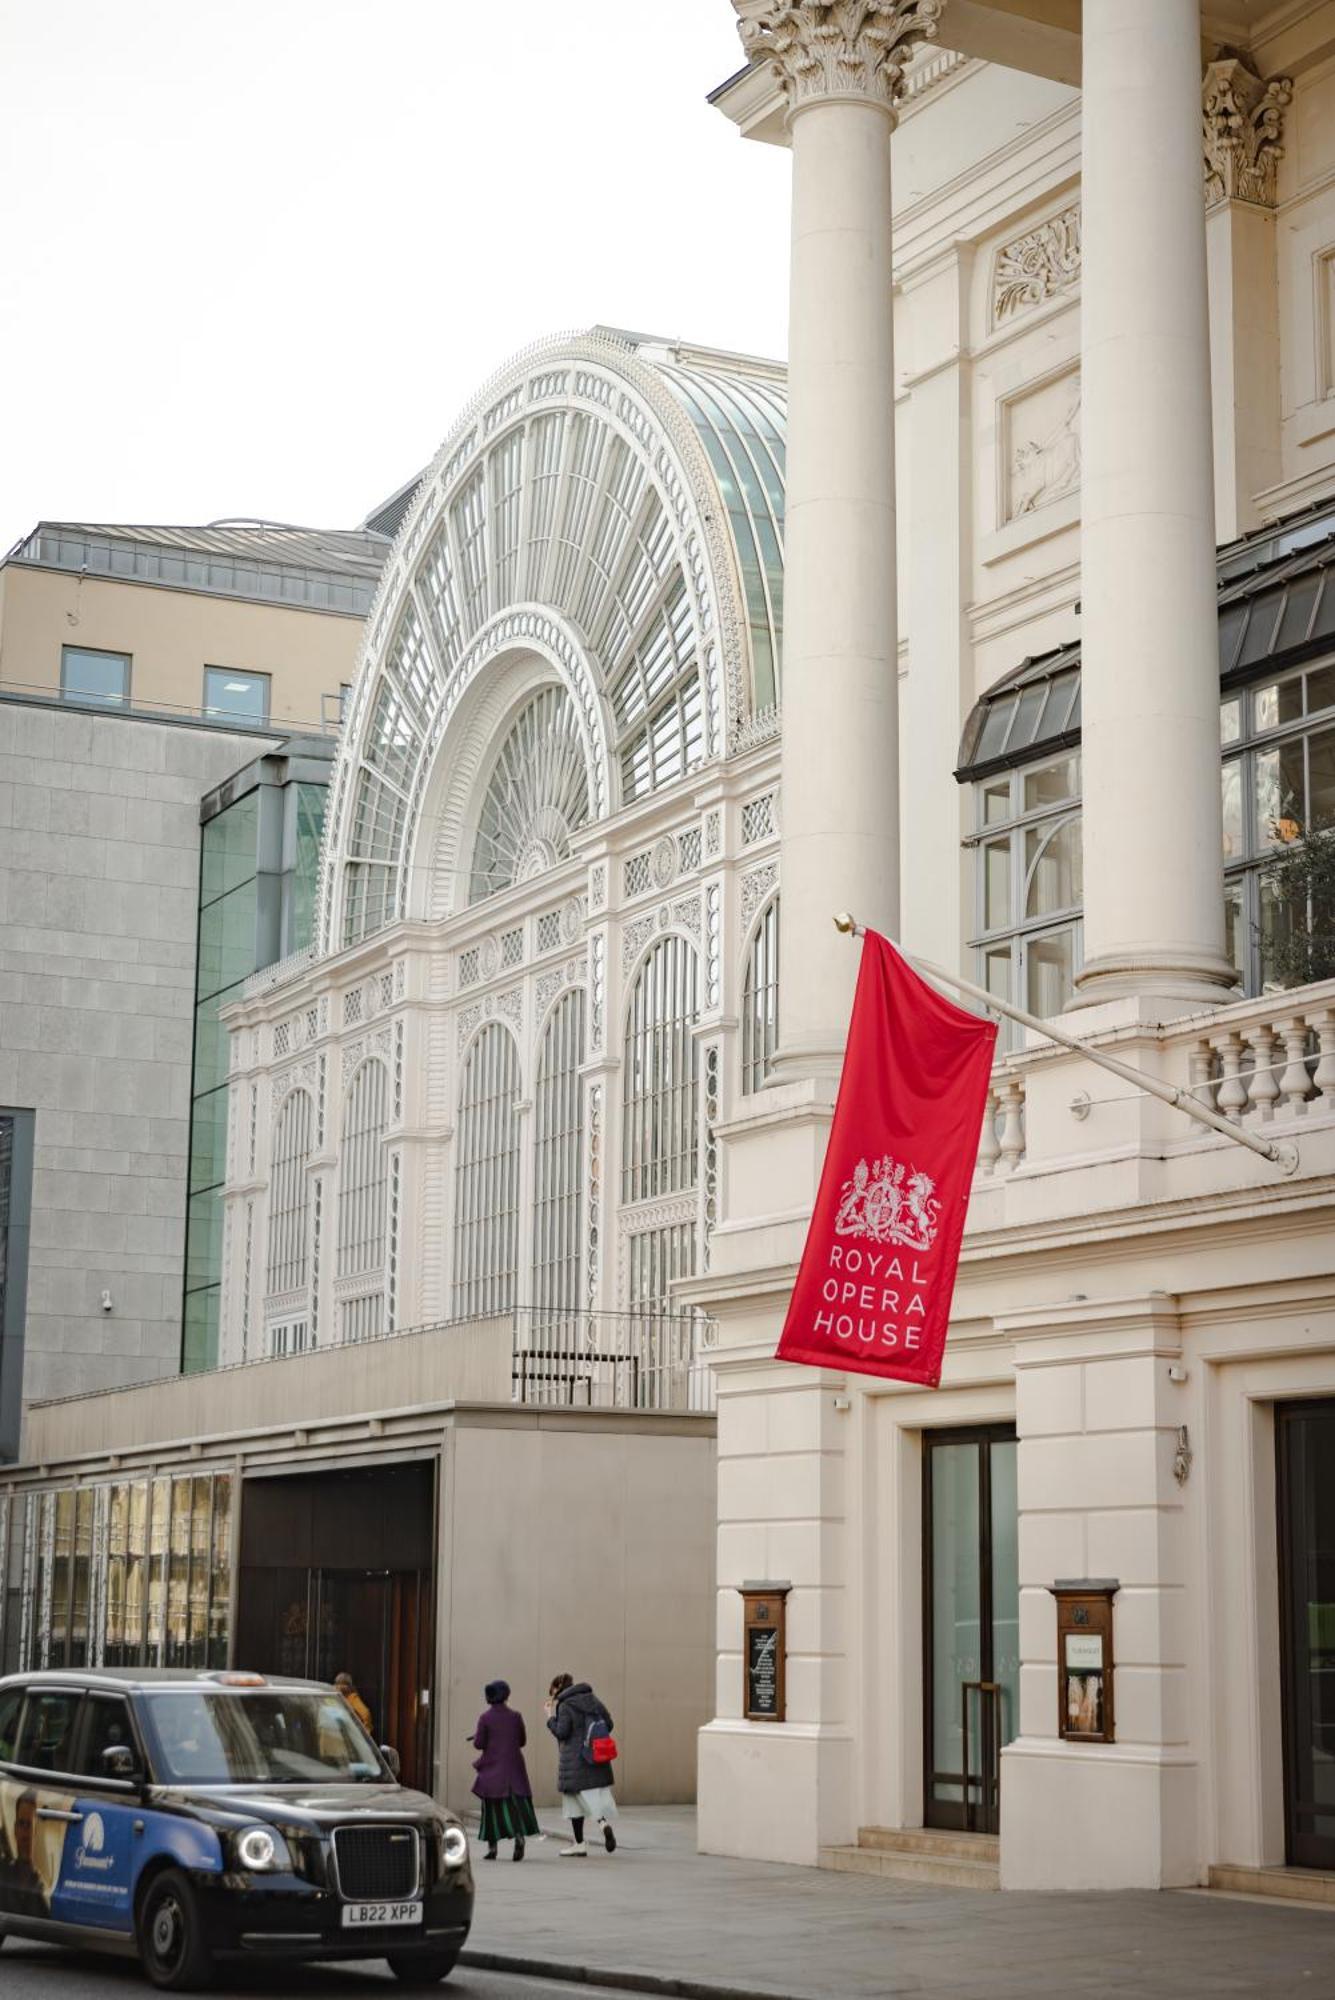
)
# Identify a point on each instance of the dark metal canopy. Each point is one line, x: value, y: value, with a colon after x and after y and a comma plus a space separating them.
x: 1276, y: 609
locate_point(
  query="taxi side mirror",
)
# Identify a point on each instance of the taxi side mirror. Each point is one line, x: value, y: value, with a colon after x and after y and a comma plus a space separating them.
x: 118, y: 1761
x: 391, y: 1757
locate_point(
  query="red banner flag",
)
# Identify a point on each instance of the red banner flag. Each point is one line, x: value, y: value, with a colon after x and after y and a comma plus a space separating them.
x: 875, y: 1283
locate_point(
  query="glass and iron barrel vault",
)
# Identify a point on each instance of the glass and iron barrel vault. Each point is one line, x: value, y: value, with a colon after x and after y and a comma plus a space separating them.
x: 546, y: 945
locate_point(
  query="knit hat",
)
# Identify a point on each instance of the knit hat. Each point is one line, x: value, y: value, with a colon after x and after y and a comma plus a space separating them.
x: 497, y: 1690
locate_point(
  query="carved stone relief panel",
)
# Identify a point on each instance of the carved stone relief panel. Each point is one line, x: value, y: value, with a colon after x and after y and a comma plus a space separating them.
x: 1040, y: 436
x: 1037, y: 266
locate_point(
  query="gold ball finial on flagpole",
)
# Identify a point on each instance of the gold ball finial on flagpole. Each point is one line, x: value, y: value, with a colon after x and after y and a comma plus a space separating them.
x: 844, y: 922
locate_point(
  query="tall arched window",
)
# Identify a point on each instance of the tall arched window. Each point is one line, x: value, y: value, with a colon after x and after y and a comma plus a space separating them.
x: 361, y: 1198
x: 536, y: 797
x: 486, y: 1176
x: 660, y: 1131
x: 558, y: 1139
x: 289, y: 1196
x: 660, y: 1134
x: 760, y: 1000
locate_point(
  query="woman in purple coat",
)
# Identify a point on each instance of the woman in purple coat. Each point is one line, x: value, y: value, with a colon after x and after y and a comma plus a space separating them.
x: 502, y: 1776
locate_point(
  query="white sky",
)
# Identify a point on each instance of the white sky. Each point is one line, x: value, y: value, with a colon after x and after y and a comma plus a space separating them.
x: 257, y: 253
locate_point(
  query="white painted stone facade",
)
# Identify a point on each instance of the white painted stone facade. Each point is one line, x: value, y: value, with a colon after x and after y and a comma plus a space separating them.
x: 1109, y: 1240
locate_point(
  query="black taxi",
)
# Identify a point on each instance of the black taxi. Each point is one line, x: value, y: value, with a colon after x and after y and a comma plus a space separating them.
x: 187, y: 1817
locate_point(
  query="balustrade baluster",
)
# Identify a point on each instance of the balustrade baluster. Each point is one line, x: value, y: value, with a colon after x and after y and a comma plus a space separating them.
x: 1200, y: 1068
x: 1323, y: 1025
x: 989, y: 1145
x: 1012, y: 1123
x: 1295, y: 1082
x: 1232, y: 1096
x: 1264, y: 1083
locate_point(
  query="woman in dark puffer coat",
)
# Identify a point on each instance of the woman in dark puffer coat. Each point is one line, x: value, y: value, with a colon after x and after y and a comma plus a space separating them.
x: 586, y: 1787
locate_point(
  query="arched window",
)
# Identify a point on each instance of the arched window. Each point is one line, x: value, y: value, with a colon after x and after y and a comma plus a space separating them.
x: 289, y: 1196
x: 486, y: 1177
x: 558, y: 1139
x: 660, y: 1133
x: 536, y: 797
x: 760, y: 1000
x: 361, y: 1197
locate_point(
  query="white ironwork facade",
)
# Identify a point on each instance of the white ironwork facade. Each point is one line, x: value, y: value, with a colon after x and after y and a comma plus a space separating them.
x: 548, y: 885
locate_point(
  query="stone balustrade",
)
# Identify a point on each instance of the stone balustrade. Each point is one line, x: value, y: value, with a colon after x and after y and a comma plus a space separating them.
x: 1261, y: 1062
x: 1273, y: 1059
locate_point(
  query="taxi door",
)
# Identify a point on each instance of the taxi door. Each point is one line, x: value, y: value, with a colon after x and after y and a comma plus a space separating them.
x: 104, y: 1838
x: 36, y: 1804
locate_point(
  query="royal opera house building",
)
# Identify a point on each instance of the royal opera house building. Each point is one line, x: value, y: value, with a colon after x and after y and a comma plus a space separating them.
x: 1003, y: 617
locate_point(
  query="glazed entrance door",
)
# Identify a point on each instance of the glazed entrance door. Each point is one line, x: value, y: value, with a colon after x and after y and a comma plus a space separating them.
x: 376, y: 1626
x: 971, y: 1623
x: 1305, y: 1438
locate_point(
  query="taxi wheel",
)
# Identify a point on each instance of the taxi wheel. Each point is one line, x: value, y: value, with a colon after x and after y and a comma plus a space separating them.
x: 171, y: 1941
x: 422, y: 1968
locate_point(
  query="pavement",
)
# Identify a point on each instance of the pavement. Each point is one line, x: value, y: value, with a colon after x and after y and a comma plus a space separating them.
x: 658, y: 1917
x: 41, y: 1972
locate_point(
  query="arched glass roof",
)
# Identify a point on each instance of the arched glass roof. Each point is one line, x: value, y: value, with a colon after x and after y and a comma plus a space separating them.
x: 741, y: 420
x: 585, y: 494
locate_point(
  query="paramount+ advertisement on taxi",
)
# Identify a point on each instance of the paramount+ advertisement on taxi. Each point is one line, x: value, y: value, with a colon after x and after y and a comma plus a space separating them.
x: 59, y: 1862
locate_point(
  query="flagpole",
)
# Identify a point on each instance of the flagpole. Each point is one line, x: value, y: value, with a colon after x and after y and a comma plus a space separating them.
x: 1281, y: 1153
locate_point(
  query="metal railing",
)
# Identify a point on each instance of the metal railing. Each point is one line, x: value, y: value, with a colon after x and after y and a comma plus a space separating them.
x: 641, y: 1360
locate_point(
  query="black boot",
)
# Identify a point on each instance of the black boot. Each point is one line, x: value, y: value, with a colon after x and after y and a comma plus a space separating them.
x: 519, y: 1851
x: 490, y: 1854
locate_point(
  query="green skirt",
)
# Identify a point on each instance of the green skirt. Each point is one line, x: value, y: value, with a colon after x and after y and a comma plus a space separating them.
x: 507, y: 1819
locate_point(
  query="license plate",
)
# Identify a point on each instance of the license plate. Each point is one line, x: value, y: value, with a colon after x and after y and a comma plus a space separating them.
x: 355, y: 1915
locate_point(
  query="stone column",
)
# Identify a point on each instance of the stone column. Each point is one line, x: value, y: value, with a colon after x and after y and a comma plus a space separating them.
x: 1154, y: 914
x: 840, y: 64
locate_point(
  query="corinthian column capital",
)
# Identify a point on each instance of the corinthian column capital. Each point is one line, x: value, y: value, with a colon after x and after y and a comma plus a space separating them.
x: 836, y: 48
x: 1242, y: 123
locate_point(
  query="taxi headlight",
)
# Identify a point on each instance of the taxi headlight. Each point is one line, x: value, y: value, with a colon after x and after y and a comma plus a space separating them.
x: 260, y: 1848
x: 454, y: 1846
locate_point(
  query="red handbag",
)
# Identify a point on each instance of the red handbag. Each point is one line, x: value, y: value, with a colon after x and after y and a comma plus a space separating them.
x: 600, y: 1746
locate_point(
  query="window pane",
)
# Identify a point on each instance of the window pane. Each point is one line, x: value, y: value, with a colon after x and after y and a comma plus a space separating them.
x: 1230, y: 720
x: 1230, y: 778
x: 1052, y: 866
x: 235, y: 697
x: 1279, y: 794
x: 1051, y: 784
x: 1235, y: 925
x: 1279, y: 927
x: 229, y: 845
x: 1320, y: 690
x: 995, y: 804
x: 997, y: 971
x: 1277, y: 704
x: 1321, y: 779
x: 98, y: 677
x: 1049, y: 973
x: 996, y: 884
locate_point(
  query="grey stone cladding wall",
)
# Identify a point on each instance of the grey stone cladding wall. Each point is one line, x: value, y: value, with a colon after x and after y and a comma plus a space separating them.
x: 99, y: 868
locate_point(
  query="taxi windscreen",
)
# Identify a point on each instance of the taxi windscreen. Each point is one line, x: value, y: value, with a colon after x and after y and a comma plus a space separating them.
x: 230, y: 1737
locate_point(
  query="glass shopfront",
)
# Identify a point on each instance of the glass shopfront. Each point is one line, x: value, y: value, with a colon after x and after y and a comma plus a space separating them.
x: 118, y: 1573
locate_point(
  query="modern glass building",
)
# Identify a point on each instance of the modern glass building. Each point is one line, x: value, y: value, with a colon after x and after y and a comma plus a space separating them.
x: 259, y: 863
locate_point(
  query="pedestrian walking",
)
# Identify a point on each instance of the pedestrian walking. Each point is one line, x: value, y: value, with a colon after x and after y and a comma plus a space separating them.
x: 502, y: 1775
x: 347, y: 1687
x: 578, y: 1721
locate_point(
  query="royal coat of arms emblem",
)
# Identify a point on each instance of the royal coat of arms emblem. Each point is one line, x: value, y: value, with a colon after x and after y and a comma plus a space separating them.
x: 878, y: 1201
